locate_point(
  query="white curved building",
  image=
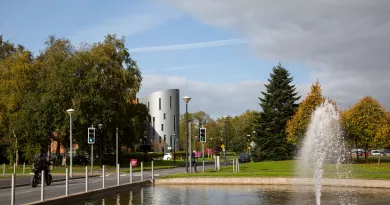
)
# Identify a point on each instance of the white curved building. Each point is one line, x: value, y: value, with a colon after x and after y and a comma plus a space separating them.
x: 164, y: 126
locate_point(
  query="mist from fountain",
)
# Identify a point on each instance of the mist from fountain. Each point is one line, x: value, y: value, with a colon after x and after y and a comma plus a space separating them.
x: 323, y: 148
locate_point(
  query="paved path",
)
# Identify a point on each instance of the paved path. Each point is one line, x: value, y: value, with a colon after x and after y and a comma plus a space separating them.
x: 26, y: 194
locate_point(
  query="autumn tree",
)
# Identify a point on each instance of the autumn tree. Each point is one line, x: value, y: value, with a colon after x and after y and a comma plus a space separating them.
x: 366, y: 123
x: 297, y: 125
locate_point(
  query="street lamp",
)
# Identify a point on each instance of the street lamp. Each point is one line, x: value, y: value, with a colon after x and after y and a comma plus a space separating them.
x: 174, y: 148
x: 225, y: 118
x: 70, y: 112
x: 100, y: 144
x: 186, y: 100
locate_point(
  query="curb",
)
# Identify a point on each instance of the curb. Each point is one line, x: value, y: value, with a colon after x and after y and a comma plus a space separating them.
x: 55, y: 180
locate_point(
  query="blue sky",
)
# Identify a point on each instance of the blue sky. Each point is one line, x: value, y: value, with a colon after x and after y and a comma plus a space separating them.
x: 147, y: 23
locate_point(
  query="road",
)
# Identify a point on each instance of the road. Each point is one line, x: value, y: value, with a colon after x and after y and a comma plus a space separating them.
x: 26, y: 194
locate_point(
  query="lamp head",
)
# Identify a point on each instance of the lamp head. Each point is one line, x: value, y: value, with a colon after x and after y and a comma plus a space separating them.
x: 70, y: 111
x: 187, y: 99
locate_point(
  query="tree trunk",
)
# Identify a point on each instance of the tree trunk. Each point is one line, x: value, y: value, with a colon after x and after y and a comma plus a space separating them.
x: 357, y: 151
x: 58, y: 150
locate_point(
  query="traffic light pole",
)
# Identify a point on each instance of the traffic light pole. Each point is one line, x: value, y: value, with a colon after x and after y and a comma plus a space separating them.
x: 203, y: 156
x: 91, y: 159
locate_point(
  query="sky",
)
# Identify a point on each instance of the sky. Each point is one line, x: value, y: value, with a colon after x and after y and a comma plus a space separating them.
x: 221, y: 52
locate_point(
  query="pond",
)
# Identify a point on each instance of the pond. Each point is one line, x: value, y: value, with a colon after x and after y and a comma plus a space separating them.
x: 243, y: 195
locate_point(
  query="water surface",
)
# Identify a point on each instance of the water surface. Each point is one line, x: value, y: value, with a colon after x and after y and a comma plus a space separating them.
x: 243, y: 195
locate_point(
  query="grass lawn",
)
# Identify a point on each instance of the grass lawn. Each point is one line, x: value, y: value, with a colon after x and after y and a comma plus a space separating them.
x: 369, y: 170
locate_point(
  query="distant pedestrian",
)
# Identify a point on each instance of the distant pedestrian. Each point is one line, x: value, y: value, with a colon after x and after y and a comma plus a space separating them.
x: 193, y: 157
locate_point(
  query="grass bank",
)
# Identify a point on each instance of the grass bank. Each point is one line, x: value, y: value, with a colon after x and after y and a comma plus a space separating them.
x: 370, y: 170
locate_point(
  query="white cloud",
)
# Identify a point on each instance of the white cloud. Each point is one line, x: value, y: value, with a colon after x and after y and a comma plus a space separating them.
x: 215, y: 99
x: 346, y: 43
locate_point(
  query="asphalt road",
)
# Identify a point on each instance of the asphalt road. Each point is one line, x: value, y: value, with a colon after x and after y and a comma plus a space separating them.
x: 26, y: 194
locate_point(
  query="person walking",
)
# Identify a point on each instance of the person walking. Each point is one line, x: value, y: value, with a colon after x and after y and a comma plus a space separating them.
x: 193, y: 157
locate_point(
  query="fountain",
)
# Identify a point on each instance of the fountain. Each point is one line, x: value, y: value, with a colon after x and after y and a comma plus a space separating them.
x: 323, y: 148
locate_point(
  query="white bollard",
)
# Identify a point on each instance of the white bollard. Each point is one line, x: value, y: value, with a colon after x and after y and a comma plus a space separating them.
x: 13, y: 190
x: 104, y: 178
x: 86, y: 178
x: 4, y: 169
x: 118, y: 175
x: 142, y: 171
x: 24, y: 167
x: 66, y: 182
x: 234, y: 169
x: 131, y: 173
x: 152, y: 171
x: 42, y: 185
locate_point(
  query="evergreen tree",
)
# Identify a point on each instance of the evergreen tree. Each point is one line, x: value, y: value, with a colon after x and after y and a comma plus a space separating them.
x: 278, y: 104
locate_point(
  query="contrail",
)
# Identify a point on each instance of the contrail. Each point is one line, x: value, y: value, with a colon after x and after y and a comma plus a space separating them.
x: 189, y: 46
x: 178, y: 68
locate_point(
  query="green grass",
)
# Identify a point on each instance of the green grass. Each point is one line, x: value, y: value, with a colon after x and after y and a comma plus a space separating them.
x: 287, y: 169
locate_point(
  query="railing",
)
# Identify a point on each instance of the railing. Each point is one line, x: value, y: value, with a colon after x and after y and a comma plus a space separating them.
x: 86, y: 180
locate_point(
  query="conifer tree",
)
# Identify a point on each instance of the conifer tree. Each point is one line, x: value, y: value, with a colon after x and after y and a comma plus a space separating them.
x: 278, y: 105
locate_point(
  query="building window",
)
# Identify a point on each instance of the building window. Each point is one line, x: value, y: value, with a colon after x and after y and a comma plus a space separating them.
x: 154, y: 130
x: 170, y: 102
x: 174, y: 122
x: 164, y: 116
x: 162, y: 127
x: 164, y: 138
x: 159, y: 103
x: 159, y: 140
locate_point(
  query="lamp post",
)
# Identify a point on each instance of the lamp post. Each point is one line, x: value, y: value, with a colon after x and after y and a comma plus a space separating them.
x: 100, y: 144
x: 186, y: 100
x: 225, y: 118
x: 70, y: 112
x: 174, y: 148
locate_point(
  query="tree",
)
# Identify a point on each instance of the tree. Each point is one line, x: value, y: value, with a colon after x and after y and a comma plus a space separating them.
x: 242, y: 127
x: 278, y: 105
x: 366, y: 123
x: 297, y: 125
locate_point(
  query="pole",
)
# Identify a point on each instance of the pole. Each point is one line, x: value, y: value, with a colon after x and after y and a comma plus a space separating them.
x: 186, y: 161
x: 234, y: 170
x: 42, y: 185
x: 104, y: 177
x: 174, y: 149
x: 100, y: 147
x: 190, y: 148
x: 86, y: 178
x: 71, y: 147
x: 131, y: 173
x: 202, y: 156
x: 225, y: 146
x: 4, y: 169
x: 24, y: 167
x: 116, y: 151
x: 117, y: 175
x: 142, y: 171
x: 91, y: 159
x: 13, y: 190
x: 152, y: 171
x: 14, y: 168
x: 66, y: 182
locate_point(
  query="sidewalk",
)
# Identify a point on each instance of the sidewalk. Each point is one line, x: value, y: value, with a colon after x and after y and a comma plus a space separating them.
x: 26, y: 179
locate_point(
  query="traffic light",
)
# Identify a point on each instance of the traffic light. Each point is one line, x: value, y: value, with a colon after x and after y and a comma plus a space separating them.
x: 202, y: 134
x: 91, y: 135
